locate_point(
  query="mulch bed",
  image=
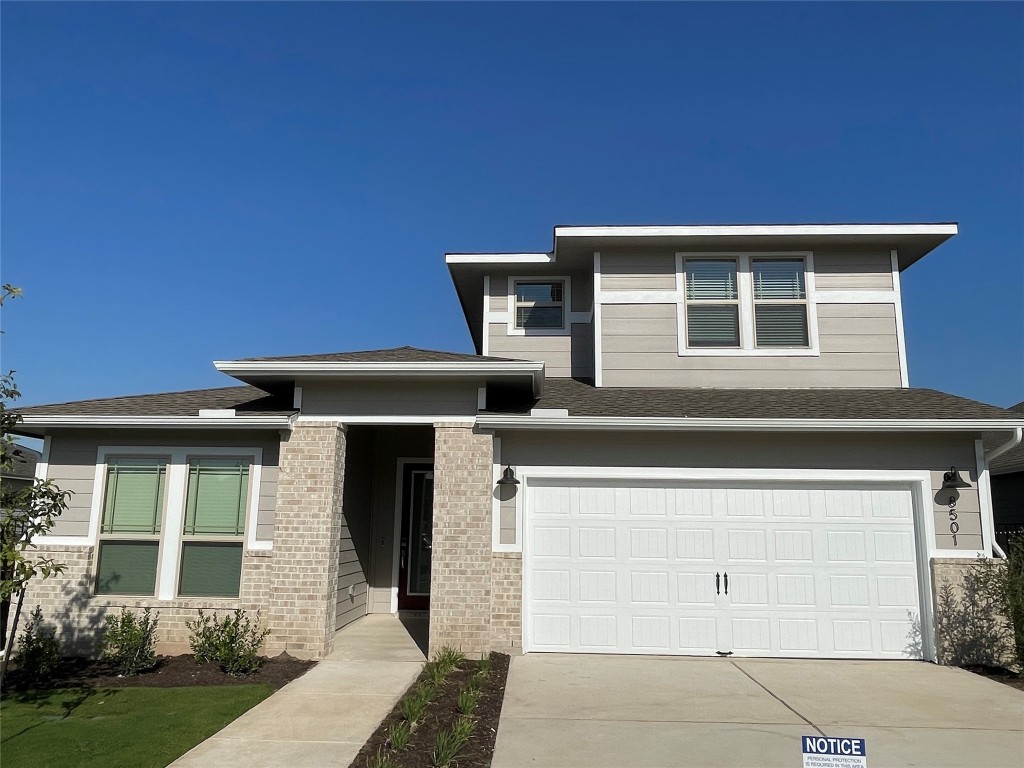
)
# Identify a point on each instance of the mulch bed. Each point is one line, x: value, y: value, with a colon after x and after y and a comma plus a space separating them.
x: 999, y: 674
x: 170, y: 672
x: 441, y: 714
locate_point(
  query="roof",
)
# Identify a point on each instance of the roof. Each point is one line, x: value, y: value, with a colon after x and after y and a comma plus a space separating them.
x: 583, y: 400
x: 394, y: 355
x: 1012, y: 460
x: 188, y: 403
x: 23, y: 461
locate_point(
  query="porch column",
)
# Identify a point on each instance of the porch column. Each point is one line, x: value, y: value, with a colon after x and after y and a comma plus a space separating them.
x: 460, y: 572
x: 307, y: 540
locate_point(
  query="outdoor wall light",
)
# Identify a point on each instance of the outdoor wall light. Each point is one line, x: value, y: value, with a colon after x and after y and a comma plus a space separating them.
x: 952, y: 481
x: 508, y: 477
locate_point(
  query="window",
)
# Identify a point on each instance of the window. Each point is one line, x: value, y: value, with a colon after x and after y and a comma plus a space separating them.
x: 129, y: 545
x: 780, y: 303
x: 746, y: 304
x: 540, y: 304
x: 211, y: 548
x: 175, y: 525
x: 712, y: 303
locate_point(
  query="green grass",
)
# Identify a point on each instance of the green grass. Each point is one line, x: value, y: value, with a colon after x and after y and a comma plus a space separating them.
x: 111, y: 728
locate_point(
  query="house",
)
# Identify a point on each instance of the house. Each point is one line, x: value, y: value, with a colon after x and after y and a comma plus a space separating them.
x: 20, y: 468
x: 670, y: 440
x: 1007, y: 483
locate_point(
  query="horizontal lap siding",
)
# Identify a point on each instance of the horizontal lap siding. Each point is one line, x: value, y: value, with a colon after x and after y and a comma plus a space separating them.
x: 72, y: 466
x: 563, y: 356
x: 383, y: 398
x: 581, y: 284
x: 353, y: 550
x: 867, y: 271
x: 858, y: 346
x: 636, y: 272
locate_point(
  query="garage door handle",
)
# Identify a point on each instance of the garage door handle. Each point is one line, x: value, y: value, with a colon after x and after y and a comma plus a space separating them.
x: 718, y: 583
x: 727, y: 583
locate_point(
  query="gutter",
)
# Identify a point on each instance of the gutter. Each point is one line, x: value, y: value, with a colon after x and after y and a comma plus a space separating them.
x: 167, y: 422
x: 501, y: 421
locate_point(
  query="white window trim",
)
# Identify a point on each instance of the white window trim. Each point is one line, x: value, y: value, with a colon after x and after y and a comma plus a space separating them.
x: 174, y: 505
x: 744, y: 281
x: 514, y: 302
x: 918, y: 481
x: 507, y: 317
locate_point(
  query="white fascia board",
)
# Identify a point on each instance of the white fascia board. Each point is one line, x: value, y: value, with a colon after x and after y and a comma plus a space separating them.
x: 758, y: 230
x: 191, y: 422
x: 740, y: 425
x: 499, y: 258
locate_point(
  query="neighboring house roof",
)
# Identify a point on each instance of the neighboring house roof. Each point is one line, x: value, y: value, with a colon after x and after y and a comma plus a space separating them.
x: 1012, y: 460
x: 23, y: 461
x: 395, y: 355
x: 581, y: 401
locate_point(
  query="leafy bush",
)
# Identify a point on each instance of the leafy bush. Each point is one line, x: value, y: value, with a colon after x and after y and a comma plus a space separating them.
x: 232, y: 642
x: 1003, y: 583
x: 398, y: 735
x: 38, y: 654
x: 128, y: 641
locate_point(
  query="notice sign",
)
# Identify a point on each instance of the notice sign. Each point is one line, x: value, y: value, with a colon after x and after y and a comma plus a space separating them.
x: 833, y: 752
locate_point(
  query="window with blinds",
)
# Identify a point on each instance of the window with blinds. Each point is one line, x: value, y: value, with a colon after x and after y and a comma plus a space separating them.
x: 215, y: 507
x: 540, y: 304
x: 129, y: 545
x: 712, y: 303
x: 780, y: 303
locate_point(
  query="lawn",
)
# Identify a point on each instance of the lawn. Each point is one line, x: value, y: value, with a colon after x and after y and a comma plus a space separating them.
x: 111, y: 728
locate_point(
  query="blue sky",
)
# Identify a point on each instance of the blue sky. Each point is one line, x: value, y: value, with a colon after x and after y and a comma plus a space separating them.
x: 187, y: 182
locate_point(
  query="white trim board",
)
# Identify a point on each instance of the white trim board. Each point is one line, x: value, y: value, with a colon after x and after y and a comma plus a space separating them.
x: 507, y: 317
x: 759, y: 230
x: 597, y: 329
x: 169, y: 422
x: 684, y: 424
x: 901, y: 337
x: 396, y: 531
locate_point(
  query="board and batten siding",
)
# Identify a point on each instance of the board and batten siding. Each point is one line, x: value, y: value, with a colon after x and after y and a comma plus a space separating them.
x: 826, y: 452
x: 72, y: 467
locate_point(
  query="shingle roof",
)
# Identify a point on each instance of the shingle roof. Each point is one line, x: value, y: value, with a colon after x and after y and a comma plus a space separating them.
x: 582, y: 399
x: 395, y: 355
x: 1012, y: 460
x: 243, y: 399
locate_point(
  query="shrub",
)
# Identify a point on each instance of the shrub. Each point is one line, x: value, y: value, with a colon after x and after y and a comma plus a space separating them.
x: 398, y: 735
x: 128, y: 641
x: 448, y: 659
x: 434, y: 672
x: 1002, y: 582
x: 232, y: 642
x: 38, y: 653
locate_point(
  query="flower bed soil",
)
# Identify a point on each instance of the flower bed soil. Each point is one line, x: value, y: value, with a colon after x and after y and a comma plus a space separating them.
x: 170, y: 672
x: 441, y: 714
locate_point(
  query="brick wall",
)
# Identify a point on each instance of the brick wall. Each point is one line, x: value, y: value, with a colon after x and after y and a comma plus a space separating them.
x: 507, y: 602
x: 307, y: 538
x: 460, y: 579
x: 969, y: 627
x: 67, y: 601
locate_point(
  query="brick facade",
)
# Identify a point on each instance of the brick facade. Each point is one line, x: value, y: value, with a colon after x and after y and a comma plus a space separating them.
x: 507, y: 602
x: 68, y: 603
x: 307, y: 540
x: 969, y: 627
x: 460, y: 578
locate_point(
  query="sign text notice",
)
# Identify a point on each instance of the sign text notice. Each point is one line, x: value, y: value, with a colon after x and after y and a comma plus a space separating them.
x: 833, y: 752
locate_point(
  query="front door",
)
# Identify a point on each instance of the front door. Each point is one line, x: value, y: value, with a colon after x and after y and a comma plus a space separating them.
x: 416, y: 534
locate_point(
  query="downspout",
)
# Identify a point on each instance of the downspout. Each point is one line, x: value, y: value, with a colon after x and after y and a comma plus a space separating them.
x: 995, y: 453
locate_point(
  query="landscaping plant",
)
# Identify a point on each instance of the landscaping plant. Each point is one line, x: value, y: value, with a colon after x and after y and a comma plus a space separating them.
x: 381, y: 760
x: 38, y: 653
x: 398, y: 735
x: 232, y: 642
x: 128, y: 641
x: 1002, y: 582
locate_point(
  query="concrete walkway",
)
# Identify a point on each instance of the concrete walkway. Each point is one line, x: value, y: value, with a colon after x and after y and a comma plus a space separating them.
x: 323, y: 718
x: 562, y: 711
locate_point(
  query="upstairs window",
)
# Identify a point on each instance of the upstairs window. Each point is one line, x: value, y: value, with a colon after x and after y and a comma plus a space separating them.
x: 712, y: 303
x: 780, y: 303
x: 540, y: 304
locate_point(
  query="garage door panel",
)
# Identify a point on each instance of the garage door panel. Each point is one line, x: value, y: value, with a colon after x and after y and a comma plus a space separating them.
x: 631, y: 569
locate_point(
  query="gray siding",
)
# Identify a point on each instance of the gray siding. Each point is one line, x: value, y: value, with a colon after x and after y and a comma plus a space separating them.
x: 388, y: 398
x: 642, y: 271
x: 934, y: 453
x: 563, y: 356
x: 858, y: 345
x: 72, y: 466
x: 836, y: 270
x: 354, y: 555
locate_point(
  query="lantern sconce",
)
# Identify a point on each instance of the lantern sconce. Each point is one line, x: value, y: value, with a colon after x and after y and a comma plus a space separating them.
x: 952, y: 481
x: 508, y: 477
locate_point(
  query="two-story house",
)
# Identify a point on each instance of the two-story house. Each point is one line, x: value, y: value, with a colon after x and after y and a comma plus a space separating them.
x: 671, y: 440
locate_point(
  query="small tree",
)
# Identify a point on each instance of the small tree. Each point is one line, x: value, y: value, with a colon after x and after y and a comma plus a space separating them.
x: 25, y: 514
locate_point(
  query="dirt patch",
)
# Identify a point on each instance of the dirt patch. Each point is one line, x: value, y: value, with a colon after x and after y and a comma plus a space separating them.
x: 441, y: 714
x: 999, y: 674
x: 170, y: 672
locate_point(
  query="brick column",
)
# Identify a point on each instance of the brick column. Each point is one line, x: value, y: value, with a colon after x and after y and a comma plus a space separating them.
x: 307, y: 538
x: 460, y: 574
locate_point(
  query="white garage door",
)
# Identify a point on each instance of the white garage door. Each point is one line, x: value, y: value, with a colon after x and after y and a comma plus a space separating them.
x: 666, y: 568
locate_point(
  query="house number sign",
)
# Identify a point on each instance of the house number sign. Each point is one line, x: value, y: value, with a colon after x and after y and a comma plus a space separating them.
x: 954, y: 526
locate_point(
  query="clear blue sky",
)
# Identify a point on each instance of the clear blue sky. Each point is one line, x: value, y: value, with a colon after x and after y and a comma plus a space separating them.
x: 187, y: 182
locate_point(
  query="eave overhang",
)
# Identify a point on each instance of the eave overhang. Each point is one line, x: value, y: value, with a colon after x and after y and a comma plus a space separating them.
x: 644, y: 424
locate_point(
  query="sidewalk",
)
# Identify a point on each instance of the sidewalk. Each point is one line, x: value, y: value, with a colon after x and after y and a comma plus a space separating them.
x: 323, y: 718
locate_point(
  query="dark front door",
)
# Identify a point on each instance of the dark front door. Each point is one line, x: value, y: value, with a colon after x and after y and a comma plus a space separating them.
x: 417, y: 531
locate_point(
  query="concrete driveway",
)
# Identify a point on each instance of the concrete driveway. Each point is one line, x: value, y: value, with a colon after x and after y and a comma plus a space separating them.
x: 562, y: 711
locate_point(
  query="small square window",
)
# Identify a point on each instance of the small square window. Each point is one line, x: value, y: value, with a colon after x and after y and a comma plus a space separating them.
x: 540, y: 304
